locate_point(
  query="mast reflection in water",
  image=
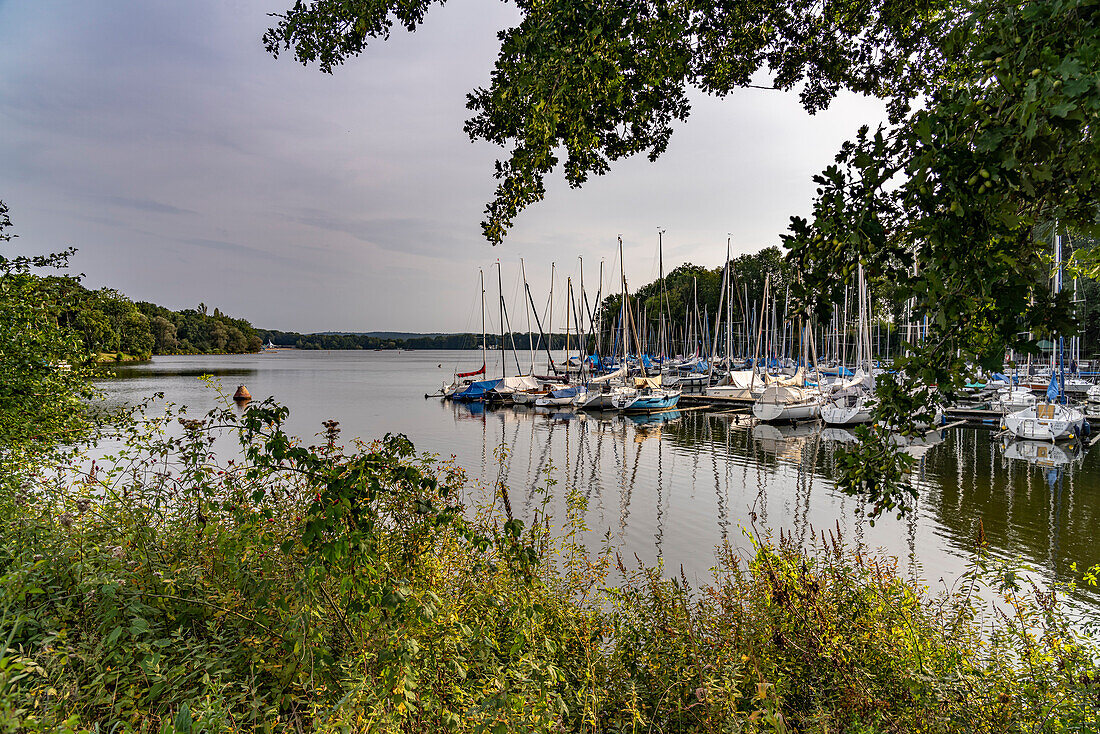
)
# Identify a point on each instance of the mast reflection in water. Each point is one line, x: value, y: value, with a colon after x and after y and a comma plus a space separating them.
x: 672, y: 486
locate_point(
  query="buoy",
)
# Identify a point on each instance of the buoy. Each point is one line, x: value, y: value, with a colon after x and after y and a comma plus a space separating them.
x: 242, y: 394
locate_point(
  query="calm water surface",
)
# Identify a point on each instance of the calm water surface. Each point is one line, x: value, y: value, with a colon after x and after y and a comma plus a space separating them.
x: 672, y: 488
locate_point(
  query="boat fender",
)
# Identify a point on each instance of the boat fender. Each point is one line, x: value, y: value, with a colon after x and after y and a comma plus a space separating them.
x: 1086, y: 428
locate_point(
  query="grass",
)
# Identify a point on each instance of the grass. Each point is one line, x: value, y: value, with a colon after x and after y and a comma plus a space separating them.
x: 296, y: 588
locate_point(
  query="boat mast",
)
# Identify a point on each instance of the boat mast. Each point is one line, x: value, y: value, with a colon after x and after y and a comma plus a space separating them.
x: 661, y: 291
x: 484, y: 346
x: 530, y: 336
x: 717, y: 316
x: 1057, y: 292
x: 759, y: 330
x: 728, y: 292
x: 550, y: 323
x: 500, y: 293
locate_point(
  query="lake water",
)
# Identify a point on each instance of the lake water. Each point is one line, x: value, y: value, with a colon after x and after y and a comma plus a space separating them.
x: 672, y: 488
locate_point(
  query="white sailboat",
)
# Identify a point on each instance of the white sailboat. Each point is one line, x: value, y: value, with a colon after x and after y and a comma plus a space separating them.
x: 1092, y: 402
x: 852, y: 400
x: 1051, y: 420
x: 789, y: 399
x: 1013, y: 399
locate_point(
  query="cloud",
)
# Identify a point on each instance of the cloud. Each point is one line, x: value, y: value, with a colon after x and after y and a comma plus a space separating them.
x: 146, y: 205
x: 408, y: 235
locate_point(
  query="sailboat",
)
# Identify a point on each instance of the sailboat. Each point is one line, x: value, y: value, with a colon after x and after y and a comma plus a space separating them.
x: 460, y: 388
x: 1052, y: 420
x: 1092, y: 402
x: 852, y: 400
x: 790, y: 399
x: 1048, y: 421
x: 739, y: 384
x: 1012, y: 398
x: 647, y: 394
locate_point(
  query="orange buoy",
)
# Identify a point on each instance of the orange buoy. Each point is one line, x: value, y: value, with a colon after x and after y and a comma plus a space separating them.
x: 242, y: 394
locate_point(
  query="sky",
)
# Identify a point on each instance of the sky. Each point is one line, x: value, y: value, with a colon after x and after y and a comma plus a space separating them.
x: 187, y: 165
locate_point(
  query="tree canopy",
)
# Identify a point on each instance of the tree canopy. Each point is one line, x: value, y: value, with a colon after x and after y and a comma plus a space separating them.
x: 583, y: 84
x: 990, y: 151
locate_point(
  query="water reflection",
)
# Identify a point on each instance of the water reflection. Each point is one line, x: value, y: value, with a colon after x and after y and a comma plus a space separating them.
x: 671, y: 486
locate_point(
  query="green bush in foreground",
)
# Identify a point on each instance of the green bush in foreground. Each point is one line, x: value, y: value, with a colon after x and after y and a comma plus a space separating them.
x: 295, y: 588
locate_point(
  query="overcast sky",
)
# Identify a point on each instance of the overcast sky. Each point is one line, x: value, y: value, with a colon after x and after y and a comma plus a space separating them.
x: 187, y: 165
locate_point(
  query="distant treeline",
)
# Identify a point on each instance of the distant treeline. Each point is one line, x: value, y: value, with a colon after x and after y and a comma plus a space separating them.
x: 440, y: 341
x: 110, y: 323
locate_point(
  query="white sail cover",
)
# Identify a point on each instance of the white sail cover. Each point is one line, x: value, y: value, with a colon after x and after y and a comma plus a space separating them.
x: 856, y: 383
x: 738, y: 378
x: 621, y: 372
x: 787, y: 394
x: 518, y: 383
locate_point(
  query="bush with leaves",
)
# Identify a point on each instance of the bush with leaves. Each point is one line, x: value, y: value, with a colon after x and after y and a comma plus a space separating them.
x: 321, y: 588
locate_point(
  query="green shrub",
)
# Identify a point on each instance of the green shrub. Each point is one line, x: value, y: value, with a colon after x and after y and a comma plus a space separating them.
x: 294, y: 588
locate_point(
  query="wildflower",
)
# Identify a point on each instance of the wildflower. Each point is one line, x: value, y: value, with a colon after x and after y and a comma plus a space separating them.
x: 37, y: 557
x: 700, y: 694
x: 117, y: 552
x: 66, y: 520
x: 83, y: 504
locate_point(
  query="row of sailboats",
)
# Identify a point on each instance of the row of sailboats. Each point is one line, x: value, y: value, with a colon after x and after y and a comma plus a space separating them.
x: 783, y: 378
x: 577, y: 382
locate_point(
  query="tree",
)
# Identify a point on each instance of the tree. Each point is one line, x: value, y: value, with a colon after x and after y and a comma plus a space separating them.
x: 164, y: 335
x: 952, y: 205
x: 600, y: 81
x: 135, y: 337
x: 45, y: 372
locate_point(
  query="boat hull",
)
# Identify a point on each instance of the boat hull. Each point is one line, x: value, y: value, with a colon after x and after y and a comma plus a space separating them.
x: 646, y: 403
x: 595, y: 401
x: 1045, y: 422
x: 786, y: 412
x: 847, y: 412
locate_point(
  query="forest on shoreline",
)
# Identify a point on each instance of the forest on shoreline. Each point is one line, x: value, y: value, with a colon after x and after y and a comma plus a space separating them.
x: 110, y: 326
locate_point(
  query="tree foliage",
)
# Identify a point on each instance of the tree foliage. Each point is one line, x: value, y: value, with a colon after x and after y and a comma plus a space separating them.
x: 991, y: 141
x: 958, y: 206
x: 44, y: 368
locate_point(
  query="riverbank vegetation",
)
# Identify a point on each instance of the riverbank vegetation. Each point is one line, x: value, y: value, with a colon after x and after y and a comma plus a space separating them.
x: 371, y: 588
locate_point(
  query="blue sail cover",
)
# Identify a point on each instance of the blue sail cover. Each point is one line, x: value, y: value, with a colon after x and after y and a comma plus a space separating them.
x: 566, y: 392
x: 476, y: 390
x: 1052, y: 389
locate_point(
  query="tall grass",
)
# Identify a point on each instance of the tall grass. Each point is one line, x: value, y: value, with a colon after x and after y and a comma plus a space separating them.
x: 317, y: 588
